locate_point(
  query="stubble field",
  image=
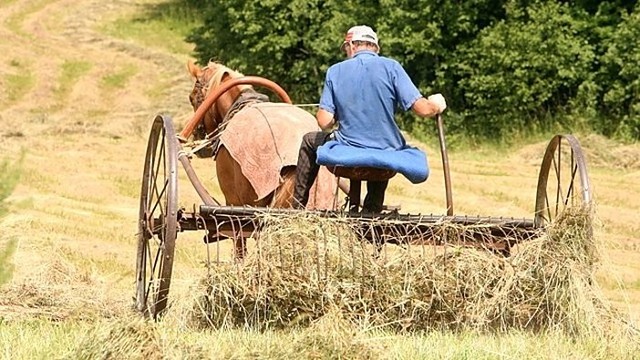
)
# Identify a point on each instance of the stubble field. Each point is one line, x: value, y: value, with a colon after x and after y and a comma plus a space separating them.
x: 81, y: 82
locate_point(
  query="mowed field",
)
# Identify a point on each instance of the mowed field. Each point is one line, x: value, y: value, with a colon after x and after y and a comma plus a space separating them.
x: 80, y: 84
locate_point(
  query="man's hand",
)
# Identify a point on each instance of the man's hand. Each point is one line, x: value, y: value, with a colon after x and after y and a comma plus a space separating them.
x: 439, y: 101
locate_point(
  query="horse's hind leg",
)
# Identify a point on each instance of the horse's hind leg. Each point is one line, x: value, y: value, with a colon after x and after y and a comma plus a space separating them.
x: 236, y: 188
x: 283, y: 195
x: 237, y: 192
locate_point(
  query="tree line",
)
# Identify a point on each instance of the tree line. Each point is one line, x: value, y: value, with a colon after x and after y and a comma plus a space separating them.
x: 504, y: 66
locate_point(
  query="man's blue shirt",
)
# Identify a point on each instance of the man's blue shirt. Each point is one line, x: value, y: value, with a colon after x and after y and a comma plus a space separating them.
x: 363, y: 93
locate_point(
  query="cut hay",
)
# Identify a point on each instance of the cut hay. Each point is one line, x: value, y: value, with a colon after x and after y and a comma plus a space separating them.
x: 133, y: 338
x: 334, y: 337
x: 301, y: 266
x: 57, y: 290
x: 305, y: 266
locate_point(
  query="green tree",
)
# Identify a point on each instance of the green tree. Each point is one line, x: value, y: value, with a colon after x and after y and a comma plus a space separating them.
x: 503, y: 65
x: 424, y: 36
x: 289, y: 42
x: 519, y: 71
x: 620, y: 74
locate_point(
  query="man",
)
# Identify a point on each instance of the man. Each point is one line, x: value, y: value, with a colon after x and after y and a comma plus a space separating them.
x: 361, y: 95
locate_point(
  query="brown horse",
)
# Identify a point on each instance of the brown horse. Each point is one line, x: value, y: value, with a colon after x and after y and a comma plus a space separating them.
x: 235, y: 186
x: 259, y: 142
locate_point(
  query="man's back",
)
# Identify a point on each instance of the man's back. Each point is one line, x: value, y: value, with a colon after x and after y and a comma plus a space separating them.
x: 363, y: 93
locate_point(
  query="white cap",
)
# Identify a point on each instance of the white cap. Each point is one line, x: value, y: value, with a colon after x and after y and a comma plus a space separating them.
x: 361, y: 33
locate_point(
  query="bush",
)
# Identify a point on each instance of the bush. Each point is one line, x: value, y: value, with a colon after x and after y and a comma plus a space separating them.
x: 503, y: 65
x: 289, y: 42
x: 523, y: 69
x: 621, y: 71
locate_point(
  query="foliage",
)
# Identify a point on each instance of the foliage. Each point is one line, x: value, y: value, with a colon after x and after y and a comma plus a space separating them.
x: 518, y: 71
x: 621, y: 67
x: 504, y: 65
x: 424, y: 37
x: 291, y: 45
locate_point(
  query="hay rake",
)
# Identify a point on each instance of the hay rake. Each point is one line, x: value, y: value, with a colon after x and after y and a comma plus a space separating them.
x: 563, y: 182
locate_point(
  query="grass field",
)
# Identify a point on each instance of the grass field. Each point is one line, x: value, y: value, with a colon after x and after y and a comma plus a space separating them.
x: 82, y: 81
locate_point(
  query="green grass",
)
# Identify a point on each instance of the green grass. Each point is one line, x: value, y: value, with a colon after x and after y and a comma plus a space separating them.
x: 15, y: 21
x: 70, y: 72
x: 160, y: 89
x: 425, y: 131
x: 18, y: 83
x: 9, y: 178
x: 119, y: 78
x: 134, y: 339
x: 125, y: 185
x: 6, y: 265
x: 163, y: 26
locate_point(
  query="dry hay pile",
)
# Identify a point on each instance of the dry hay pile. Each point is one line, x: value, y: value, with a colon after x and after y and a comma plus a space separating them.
x: 119, y: 340
x: 606, y: 152
x: 301, y: 266
x: 57, y: 290
x: 304, y: 267
x: 133, y: 338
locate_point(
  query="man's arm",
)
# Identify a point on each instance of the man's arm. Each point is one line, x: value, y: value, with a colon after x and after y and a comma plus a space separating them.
x: 433, y: 105
x: 325, y: 119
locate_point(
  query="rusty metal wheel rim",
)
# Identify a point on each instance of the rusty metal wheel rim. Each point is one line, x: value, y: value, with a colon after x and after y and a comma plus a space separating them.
x: 563, y: 181
x: 157, y: 222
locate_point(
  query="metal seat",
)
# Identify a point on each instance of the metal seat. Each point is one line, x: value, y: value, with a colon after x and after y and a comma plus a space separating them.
x: 356, y: 175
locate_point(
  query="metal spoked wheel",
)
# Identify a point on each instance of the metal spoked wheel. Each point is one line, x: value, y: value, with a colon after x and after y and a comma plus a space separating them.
x: 563, y: 181
x: 157, y: 222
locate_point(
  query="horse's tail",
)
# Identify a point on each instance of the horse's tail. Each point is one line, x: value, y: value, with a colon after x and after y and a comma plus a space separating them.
x: 283, y: 195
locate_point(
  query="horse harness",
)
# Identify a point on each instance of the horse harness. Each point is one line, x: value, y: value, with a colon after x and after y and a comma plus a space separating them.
x: 212, y: 141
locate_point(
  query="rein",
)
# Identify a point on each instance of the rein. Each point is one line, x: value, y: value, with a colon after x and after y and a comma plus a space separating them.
x: 203, y: 87
x: 212, y: 140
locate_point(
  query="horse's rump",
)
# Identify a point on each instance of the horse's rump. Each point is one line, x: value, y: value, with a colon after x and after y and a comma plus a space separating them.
x: 264, y: 138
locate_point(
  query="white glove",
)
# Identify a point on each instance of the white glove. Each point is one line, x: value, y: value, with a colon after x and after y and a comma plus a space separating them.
x: 438, y: 99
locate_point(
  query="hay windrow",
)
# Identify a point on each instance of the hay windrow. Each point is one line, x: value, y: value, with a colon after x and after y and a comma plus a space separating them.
x: 132, y: 338
x: 304, y: 266
x: 58, y: 290
x: 293, y: 276
x: 334, y: 337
